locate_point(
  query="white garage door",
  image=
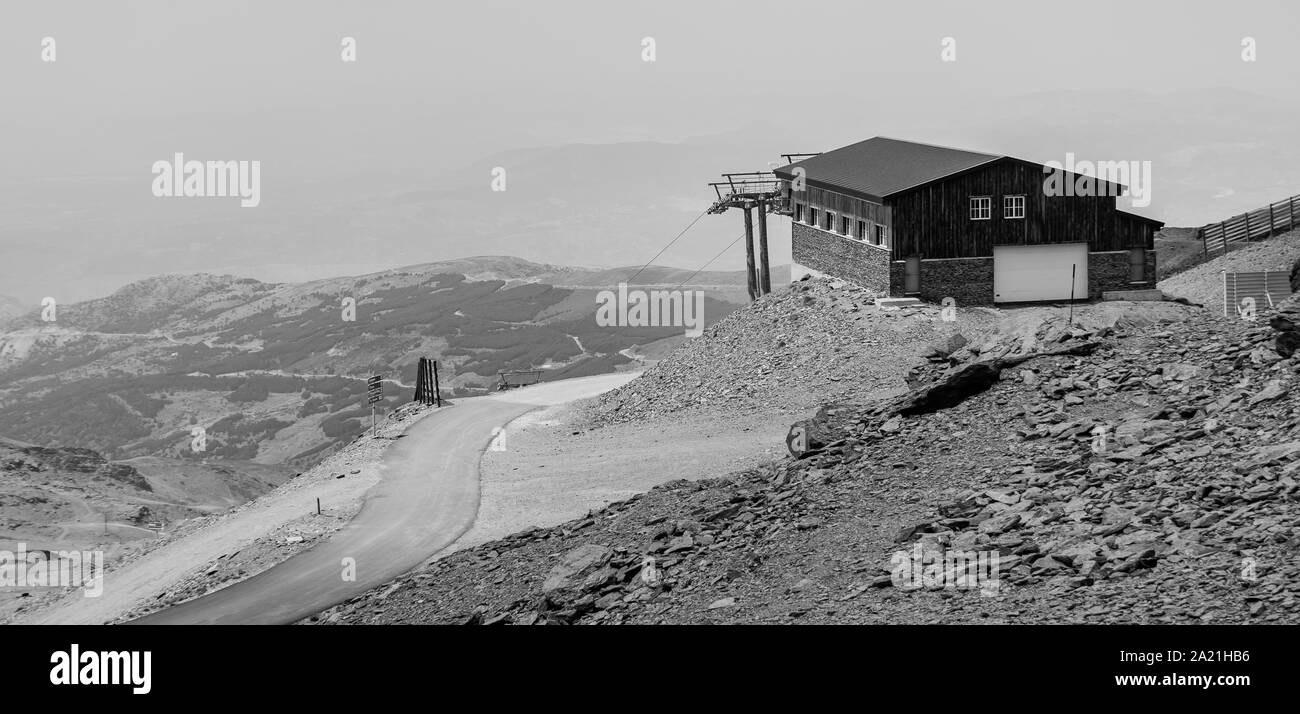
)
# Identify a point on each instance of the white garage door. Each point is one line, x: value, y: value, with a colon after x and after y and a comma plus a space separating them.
x: 1025, y: 273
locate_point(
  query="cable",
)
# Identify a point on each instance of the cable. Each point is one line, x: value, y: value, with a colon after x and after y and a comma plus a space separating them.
x: 670, y: 244
x: 719, y: 255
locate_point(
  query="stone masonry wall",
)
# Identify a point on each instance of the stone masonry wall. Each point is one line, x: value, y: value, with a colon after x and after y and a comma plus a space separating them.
x: 969, y: 281
x: 842, y: 257
x: 1109, y: 271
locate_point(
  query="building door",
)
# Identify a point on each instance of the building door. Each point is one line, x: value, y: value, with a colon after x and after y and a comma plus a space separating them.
x: 1028, y: 273
x: 1137, y: 265
x: 912, y: 281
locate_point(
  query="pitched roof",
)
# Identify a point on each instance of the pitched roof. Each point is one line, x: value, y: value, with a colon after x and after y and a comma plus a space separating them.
x: 882, y: 166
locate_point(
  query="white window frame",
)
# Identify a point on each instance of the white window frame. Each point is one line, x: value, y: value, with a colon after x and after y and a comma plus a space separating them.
x: 846, y: 226
x: 828, y: 224
x: 864, y: 231
x: 880, y: 235
x: 981, y: 208
x: 812, y: 216
x: 798, y: 212
x: 1010, y: 204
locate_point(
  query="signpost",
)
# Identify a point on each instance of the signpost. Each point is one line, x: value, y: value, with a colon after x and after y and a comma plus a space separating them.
x: 375, y: 390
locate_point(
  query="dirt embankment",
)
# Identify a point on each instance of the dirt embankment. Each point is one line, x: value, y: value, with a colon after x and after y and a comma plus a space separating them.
x: 1203, y: 284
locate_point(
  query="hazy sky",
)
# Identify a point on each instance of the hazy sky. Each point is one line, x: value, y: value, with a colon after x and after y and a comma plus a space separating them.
x: 439, y: 85
x: 489, y: 73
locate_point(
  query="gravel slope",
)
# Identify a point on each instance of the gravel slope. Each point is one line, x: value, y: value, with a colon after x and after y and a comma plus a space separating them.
x: 1203, y: 284
x: 1186, y: 513
x: 790, y: 351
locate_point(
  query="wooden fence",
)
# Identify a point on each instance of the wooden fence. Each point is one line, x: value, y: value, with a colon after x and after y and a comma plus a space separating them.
x: 1253, y: 225
x: 427, y: 389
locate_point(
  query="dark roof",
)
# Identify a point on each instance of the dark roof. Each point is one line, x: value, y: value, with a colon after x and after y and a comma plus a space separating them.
x: 1142, y: 219
x: 881, y: 166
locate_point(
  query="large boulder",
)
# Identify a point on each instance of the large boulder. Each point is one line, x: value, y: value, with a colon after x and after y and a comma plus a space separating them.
x: 810, y: 436
x: 1286, y: 322
x: 966, y: 380
x: 574, y: 566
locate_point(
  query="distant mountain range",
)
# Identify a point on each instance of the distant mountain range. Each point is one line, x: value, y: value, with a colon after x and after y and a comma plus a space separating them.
x: 215, y: 368
x: 11, y: 307
x: 1214, y: 153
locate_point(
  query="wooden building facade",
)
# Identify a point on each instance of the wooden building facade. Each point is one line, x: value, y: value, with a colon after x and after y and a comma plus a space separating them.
x: 915, y: 219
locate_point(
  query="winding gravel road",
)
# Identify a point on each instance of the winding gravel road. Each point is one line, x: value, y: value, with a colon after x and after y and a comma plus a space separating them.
x: 428, y: 498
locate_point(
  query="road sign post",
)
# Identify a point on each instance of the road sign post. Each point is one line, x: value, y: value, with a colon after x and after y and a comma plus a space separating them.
x: 375, y: 391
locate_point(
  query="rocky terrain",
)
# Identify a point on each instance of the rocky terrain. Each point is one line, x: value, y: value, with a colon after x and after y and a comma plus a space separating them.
x: 73, y: 495
x: 1122, y: 468
x: 45, y: 490
x: 791, y: 350
x: 67, y: 498
x: 225, y: 545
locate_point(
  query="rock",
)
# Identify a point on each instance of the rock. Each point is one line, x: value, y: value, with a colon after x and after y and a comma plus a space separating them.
x: 724, y: 602
x: 1180, y: 371
x: 683, y: 542
x: 1271, y: 391
x: 947, y: 347
x: 999, y: 524
x: 803, y: 585
x: 812, y: 435
x: 575, y: 563
x: 723, y: 514
x: 906, y: 533
x: 1206, y: 520
x: 1002, y: 496
x: 1287, y: 343
x: 952, y: 390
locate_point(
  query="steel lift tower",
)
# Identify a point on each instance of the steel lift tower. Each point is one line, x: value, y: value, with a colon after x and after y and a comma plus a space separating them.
x: 747, y: 191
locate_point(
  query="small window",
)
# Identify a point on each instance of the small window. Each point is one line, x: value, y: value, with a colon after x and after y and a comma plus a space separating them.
x: 981, y: 208
x: 1013, y: 206
x: 862, y: 231
x: 829, y: 223
x: 798, y: 213
x: 812, y: 216
x: 1137, y: 265
x: 844, y: 226
x: 880, y: 234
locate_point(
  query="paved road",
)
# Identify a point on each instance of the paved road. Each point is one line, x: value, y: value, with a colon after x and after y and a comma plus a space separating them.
x: 428, y: 498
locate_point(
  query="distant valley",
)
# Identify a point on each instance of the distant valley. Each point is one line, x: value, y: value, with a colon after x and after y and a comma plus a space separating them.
x: 275, y: 373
